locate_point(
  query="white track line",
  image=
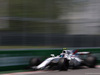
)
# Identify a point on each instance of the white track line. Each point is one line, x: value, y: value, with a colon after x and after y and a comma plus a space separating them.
x: 98, y: 66
x: 26, y: 73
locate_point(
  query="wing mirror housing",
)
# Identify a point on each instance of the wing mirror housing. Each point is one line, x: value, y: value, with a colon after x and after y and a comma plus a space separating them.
x: 52, y: 55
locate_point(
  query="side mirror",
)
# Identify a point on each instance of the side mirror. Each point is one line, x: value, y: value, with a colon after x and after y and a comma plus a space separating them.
x: 52, y: 55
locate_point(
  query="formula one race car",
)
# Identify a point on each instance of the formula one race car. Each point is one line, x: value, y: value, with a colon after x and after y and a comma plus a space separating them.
x: 67, y: 59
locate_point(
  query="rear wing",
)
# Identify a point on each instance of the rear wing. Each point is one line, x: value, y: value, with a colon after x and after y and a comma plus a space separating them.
x: 83, y: 53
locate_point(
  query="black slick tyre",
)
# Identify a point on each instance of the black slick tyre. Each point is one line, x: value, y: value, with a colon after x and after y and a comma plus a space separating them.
x: 34, y: 61
x: 90, y: 61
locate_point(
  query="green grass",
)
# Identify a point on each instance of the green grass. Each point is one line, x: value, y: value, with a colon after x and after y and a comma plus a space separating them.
x: 24, y: 47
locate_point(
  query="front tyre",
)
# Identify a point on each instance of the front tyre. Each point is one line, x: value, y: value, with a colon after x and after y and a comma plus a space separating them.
x: 34, y: 61
x: 63, y: 64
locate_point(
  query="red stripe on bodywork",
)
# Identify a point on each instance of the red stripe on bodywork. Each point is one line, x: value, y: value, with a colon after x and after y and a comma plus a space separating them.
x: 75, y: 51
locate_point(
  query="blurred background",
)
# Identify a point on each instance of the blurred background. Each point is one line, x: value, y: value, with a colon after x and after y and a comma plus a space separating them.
x: 53, y: 23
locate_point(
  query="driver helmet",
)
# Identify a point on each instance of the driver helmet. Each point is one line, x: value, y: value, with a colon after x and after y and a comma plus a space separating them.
x: 63, y: 51
x: 66, y: 52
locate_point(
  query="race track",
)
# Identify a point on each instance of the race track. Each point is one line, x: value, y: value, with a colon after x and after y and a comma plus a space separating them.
x: 74, y: 72
x: 88, y: 71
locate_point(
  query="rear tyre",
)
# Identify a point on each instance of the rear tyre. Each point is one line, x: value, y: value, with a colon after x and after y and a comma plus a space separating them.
x: 90, y: 61
x: 63, y: 64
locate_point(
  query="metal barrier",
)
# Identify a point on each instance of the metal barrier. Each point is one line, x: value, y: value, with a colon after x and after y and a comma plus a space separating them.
x: 55, y: 40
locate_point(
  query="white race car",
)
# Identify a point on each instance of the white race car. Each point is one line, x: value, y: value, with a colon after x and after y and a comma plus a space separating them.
x: 67, y: 59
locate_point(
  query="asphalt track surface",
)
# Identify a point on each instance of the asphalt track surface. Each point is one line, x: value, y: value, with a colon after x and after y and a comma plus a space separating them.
x: 85, y: 71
